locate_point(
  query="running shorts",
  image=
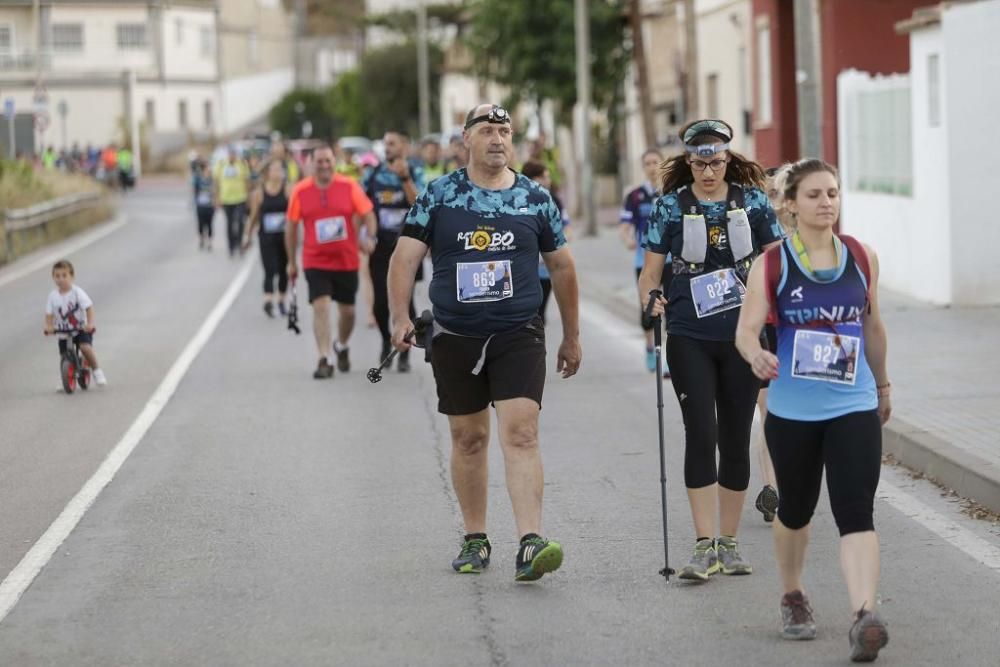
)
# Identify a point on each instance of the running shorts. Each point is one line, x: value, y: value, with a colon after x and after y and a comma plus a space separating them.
x: 510, y: 365
x: 341, y: 286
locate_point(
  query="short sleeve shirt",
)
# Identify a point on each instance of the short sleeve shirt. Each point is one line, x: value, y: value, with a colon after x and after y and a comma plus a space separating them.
x: 636, y: 209
x: 666, y: 235
x: 330, y: 241
x: 385, y: 189
x: 69, y: 310
x: 232, y: 178
x: 485, y: 246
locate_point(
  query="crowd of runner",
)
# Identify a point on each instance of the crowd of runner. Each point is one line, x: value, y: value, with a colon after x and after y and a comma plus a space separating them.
x: 766, y: 309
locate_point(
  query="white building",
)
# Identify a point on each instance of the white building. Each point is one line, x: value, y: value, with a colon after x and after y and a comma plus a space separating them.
x: 176, y: 68
x: 918, y: 182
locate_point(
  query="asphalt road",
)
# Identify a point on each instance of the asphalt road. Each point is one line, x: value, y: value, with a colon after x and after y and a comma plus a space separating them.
x: 269, y: 519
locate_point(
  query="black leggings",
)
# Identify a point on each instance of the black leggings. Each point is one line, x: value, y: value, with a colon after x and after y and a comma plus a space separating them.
x: 378, y: 267
x: 849, y: 446
x: 205, y: 216
x: 274, y: 257
x: 717, y: 392
x: 234, y: 225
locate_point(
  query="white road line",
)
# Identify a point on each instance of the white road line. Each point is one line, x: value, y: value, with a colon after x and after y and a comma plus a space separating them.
x: 959, y: 537
x: 979, y: 549
x: 49, y: 258
x: 25, y: 572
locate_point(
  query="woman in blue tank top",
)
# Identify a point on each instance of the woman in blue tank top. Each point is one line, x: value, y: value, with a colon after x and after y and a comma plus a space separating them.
x: 828, y: 399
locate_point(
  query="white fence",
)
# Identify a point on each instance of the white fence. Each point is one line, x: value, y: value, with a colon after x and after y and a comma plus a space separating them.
x: 876, y: 135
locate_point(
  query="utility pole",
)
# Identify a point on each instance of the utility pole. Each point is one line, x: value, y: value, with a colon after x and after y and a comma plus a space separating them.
x: 423, y: 70
x: 642, y: 73
x: 809, y: 92
x: 300, y: 32
x: 581, y: 17
x: 690, y: 62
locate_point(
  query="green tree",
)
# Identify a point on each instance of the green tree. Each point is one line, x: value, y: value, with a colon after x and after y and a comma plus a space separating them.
x: 345, y: 100
x: 530, y: 47
x: 389, y: 82
x: 285, y: 119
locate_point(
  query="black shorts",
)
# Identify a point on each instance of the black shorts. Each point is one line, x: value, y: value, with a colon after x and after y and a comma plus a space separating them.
x: 341, y: 286
x: 514, y: 367
x: 769, y: 341
x: 668, y: 276
x: 82, y: 338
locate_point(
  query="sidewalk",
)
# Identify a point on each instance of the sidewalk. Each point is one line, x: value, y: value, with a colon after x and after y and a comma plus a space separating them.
x: 946, y: 396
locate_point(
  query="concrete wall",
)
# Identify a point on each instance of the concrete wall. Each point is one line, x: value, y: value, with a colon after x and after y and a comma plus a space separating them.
x: 184, y: 57
x: 940, y: 244
x: 249, y: 98
x: 971, y: 60
x: 100, y: 40
x: 724, y: 45
x: 94, y: 111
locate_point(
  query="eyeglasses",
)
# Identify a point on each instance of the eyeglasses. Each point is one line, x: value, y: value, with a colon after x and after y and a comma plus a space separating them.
x: 715, y: 165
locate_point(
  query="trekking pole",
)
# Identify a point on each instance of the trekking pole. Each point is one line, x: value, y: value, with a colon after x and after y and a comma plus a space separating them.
x: 658, y: 349
x: 293, y: 311
x: 424, y: 321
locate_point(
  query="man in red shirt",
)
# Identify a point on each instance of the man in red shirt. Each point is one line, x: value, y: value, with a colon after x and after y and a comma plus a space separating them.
x: 331, y: 209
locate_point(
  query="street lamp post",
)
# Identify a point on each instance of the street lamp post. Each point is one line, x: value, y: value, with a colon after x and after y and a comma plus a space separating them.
x: 586, y: 199
x: 63, y: 109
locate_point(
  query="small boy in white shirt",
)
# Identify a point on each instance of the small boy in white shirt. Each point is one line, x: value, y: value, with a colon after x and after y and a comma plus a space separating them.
x: 69, y: 307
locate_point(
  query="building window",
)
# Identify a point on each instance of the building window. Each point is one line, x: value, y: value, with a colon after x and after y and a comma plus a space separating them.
x: 6, y: 37
x: 179, y: 31
x: 182, y: 114
x: 934, y: 90
x: 764, y: 109
x: 206, y: 42
x: 208, y: 115
x: 131, y: 36
x: 253, y: 52
x: 67, y: 37
x: 712, y: 95
x: 151, y: 114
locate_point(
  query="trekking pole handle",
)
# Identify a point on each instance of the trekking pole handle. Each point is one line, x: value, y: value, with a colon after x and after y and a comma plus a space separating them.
x: 647, y: 315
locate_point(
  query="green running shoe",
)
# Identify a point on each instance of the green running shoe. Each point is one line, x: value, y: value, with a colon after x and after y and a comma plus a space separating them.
x: 729, y: 557
x: 704, y: 562
x: 537, y: 556
x: 474, y: 556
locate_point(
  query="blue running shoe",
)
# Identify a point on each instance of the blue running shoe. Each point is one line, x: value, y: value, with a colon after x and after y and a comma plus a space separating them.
x: 651, y: 360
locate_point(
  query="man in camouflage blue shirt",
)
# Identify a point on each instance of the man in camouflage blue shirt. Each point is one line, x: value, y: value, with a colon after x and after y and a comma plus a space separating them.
x: 485, y: 226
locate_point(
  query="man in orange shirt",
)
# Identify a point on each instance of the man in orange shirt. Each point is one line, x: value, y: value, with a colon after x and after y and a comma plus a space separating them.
x: 330, y: 208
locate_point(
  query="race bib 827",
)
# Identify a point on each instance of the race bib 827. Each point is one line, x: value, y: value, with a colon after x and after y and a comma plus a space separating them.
x: 825, y: 356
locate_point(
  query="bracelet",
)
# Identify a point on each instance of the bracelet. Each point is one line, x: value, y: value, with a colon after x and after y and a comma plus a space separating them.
x: 882, y: 390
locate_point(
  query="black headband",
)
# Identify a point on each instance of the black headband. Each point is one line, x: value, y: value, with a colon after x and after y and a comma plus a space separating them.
x: 496, y: 115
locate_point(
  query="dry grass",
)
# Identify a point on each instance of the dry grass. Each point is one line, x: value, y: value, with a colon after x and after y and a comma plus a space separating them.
x: 21, y: 186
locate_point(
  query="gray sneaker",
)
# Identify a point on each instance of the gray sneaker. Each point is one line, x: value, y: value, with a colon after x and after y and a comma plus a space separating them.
x: 868, y: 636
x: 797, y: 617
x: 729, y: 555
x: 704, y: 562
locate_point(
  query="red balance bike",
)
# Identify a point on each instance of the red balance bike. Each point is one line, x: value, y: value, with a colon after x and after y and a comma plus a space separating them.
x: 74, y: 369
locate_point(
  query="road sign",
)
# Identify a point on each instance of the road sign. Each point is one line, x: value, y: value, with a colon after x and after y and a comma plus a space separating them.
x: 8, y: 108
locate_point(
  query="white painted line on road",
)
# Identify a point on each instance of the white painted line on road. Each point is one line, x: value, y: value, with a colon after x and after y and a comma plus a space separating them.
x: 959, y: 537
x: 75, y: 244
x: 21, y: 576
x: 962, y: 538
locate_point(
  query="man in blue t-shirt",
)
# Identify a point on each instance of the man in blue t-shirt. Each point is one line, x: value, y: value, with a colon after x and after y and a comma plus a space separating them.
x: 392, y: 186
x: 485, y: 226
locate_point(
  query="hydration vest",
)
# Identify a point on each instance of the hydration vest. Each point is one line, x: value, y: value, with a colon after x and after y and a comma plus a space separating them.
x: 695, y: 232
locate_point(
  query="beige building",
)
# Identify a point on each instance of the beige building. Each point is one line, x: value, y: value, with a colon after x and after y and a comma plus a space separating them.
x: 98, y: 71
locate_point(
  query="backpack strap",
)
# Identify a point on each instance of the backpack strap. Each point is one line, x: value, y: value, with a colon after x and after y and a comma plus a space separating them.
x: 735, y: 198
x: 860, y: 256
x: 772, y: 276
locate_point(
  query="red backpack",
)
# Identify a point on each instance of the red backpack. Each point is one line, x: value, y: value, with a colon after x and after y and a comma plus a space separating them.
x: 772, y: 272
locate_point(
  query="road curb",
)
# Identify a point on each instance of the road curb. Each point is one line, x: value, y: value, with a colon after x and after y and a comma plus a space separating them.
x: 969, y: 475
